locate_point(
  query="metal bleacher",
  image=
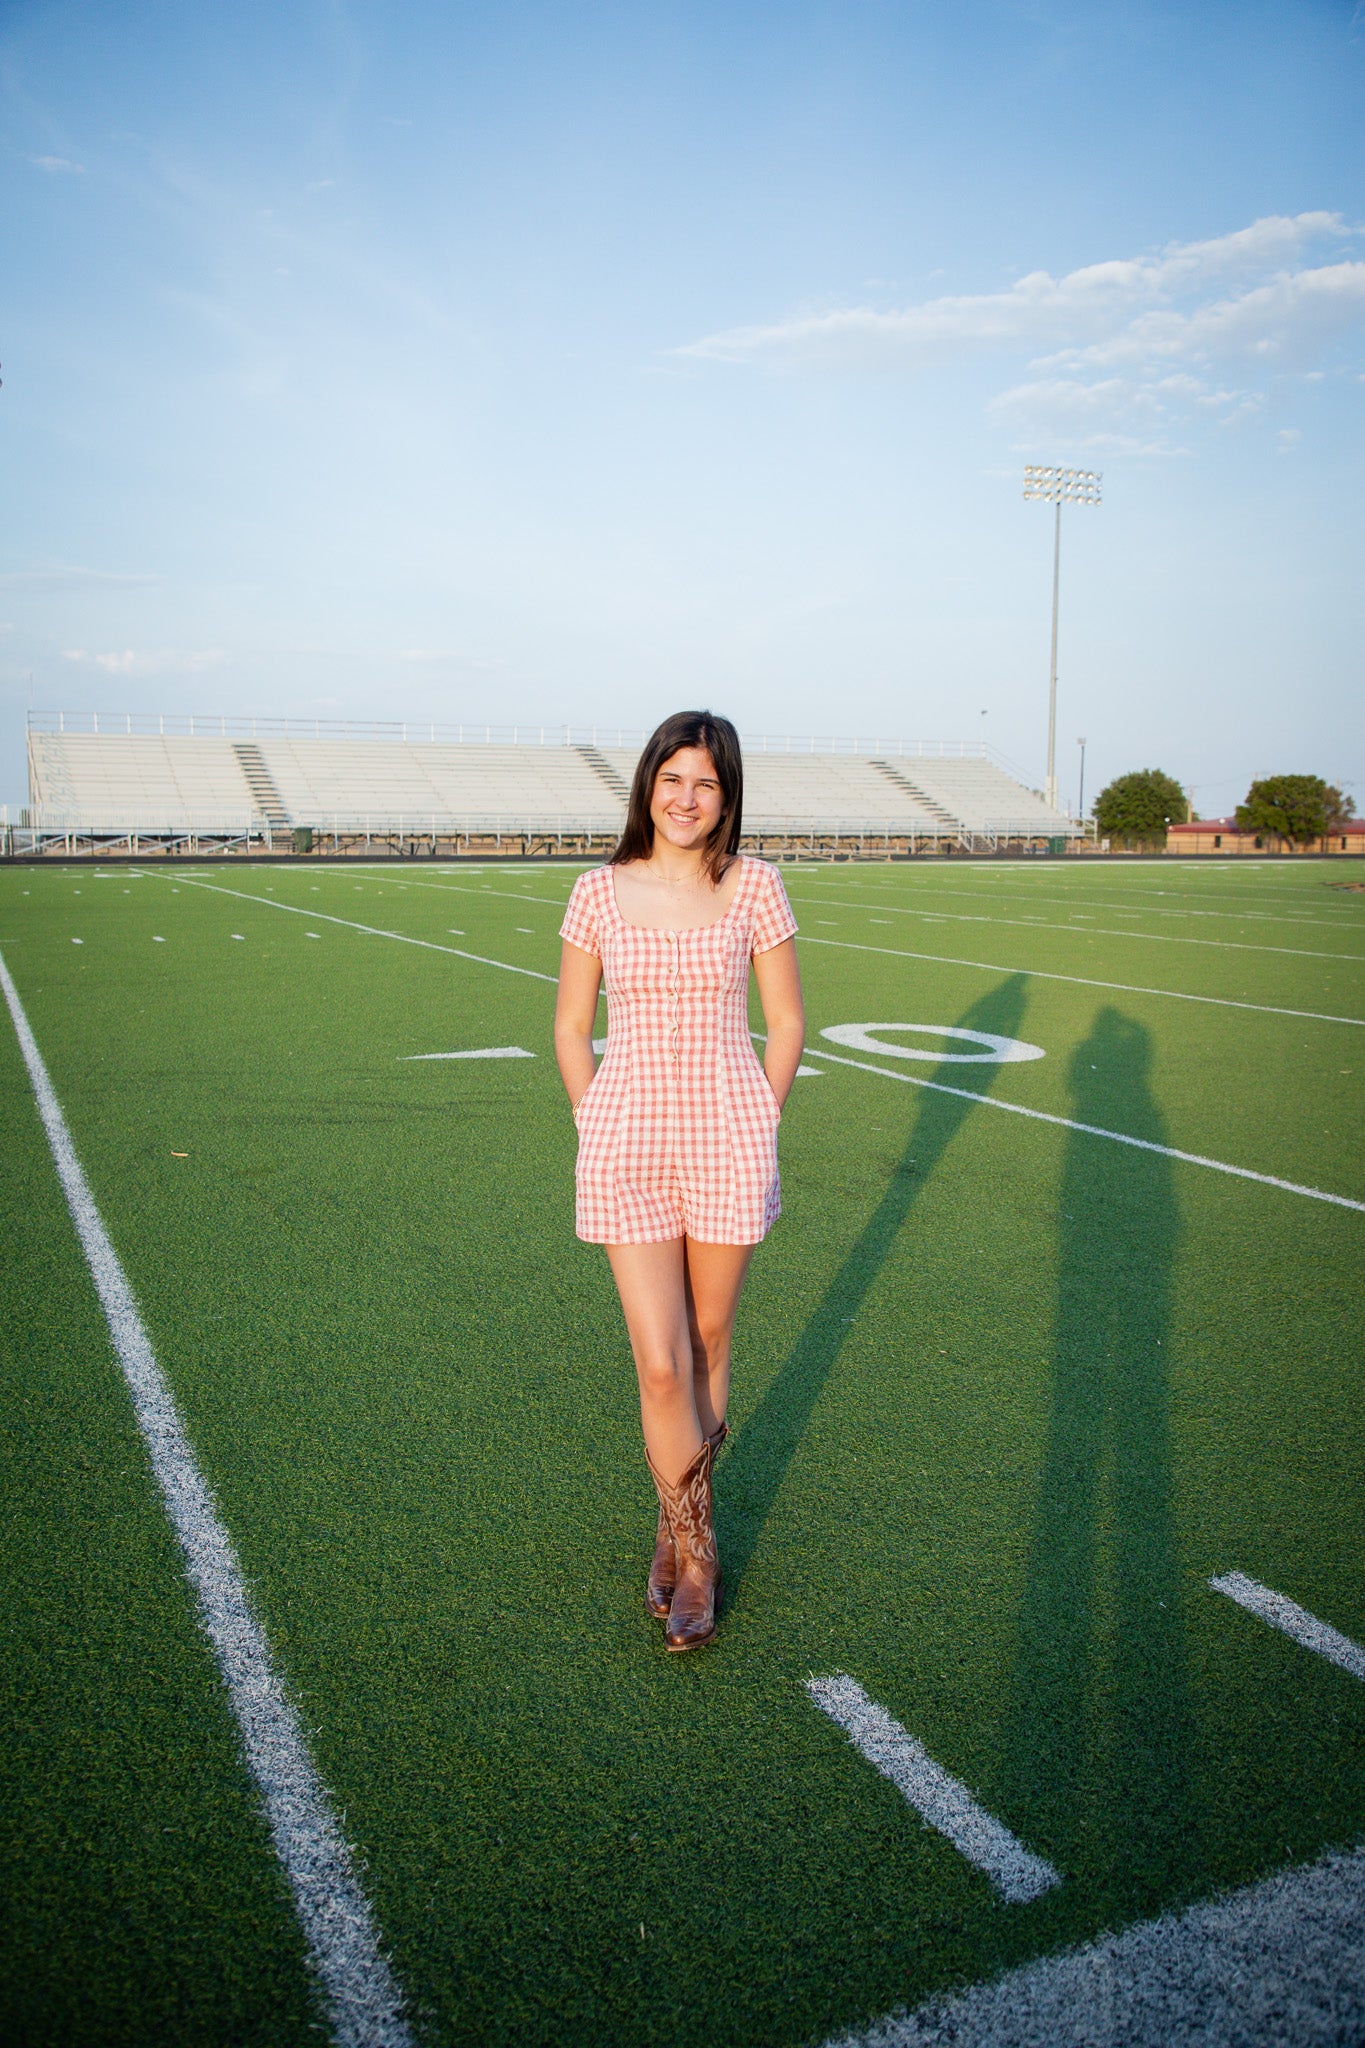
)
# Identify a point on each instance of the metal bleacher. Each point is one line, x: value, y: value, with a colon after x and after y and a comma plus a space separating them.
x: 240, y: 784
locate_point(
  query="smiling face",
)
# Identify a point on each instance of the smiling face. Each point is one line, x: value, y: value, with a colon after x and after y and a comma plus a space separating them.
x: 687, y: 801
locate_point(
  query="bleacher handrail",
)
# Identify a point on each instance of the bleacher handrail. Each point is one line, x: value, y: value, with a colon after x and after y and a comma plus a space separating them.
x: 434, y: 732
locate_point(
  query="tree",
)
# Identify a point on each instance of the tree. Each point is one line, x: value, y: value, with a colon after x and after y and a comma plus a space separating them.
x: 1300, y: 808
x: 1137, y: 808
x: 1339, y: 808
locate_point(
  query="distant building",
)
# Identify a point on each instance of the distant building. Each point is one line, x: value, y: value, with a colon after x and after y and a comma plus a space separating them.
x: 1224, y: 835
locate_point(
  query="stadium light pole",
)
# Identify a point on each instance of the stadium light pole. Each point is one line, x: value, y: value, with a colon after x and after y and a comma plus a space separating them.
x: 1058, y: 487
x: 1080, y: 813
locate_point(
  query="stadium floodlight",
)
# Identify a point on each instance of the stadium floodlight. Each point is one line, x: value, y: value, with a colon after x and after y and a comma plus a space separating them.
x: 1058, y: 487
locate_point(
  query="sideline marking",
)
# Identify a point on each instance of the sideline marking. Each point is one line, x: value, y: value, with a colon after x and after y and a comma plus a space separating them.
x: 1279, y: 1961
x: 1000, y: 1052
x: 1044, y: 1116
x: 485, y: 1052
x: 1286, y: 1615
x: 1038, y: 924
x: 1016, y: 1873
x: 363, y: 2000
x: 1126, y: 988
x: 374, y: 931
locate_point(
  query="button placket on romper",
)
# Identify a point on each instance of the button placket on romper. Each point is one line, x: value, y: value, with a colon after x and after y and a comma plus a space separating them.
x: 677, y: 1129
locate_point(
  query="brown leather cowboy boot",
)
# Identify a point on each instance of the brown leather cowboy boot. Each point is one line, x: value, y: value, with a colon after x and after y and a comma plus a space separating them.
x: 663, y: 1569
x: 692, y: 1615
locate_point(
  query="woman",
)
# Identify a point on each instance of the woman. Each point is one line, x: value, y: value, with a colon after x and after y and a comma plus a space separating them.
x: 677, y: 1154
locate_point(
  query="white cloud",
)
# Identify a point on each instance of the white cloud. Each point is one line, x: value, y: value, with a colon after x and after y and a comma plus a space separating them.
x: 1130, y: 415
x: 1297, y: 314
x: 58, y: 165
x: 440, y: 656
x: 1249, y: 300
x: 67, y: 576
x: 1101, y: 299
x: 131, y: 661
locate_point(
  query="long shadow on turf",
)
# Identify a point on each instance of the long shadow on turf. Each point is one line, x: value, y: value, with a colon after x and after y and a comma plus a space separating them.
x: 1099, y: 1750
x: 755, y: 1465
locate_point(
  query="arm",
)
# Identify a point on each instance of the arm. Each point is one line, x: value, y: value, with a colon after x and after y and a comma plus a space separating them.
x: 580, y: 978
x: 784, y: 1014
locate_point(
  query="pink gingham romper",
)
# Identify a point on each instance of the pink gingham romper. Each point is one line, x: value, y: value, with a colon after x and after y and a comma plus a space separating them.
x: 677, y: 1130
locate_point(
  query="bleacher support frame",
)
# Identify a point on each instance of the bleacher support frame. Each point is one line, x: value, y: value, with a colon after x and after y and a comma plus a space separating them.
x: 448, y: 840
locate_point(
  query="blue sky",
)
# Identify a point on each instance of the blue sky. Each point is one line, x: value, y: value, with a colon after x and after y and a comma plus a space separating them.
x: 568, y: 361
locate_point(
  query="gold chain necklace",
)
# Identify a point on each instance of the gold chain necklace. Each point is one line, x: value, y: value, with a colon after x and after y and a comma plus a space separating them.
x: 671, y: 881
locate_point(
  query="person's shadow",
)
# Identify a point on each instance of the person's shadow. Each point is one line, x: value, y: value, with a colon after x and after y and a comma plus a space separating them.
x: 1099, y: 1738
x: 755, y: 1463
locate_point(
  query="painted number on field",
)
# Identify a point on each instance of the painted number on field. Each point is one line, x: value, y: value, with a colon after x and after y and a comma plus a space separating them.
x: 991, y: 1050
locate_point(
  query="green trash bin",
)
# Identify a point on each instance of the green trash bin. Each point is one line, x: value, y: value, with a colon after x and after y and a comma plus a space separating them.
x: 1056, y: 846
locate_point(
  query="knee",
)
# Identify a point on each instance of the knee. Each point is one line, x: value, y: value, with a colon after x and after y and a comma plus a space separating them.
x: 663, y: 1374
x: 710, y: 1342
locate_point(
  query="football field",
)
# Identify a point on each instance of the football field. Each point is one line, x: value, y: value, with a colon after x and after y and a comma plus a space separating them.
x: 329, y: 1703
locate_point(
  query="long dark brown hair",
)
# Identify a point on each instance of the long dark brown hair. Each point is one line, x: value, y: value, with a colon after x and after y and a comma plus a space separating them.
x: 721, y: 741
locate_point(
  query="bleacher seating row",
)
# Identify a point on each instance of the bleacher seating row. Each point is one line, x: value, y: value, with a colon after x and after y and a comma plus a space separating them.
x: 153, y: 781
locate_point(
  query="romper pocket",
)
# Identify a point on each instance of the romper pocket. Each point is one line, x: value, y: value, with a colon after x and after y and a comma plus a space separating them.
x: 582, y: 1102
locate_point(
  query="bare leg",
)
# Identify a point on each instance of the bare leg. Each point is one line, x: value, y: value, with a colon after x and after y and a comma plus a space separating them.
x: 714, y: 1276
x: 651, y: 1283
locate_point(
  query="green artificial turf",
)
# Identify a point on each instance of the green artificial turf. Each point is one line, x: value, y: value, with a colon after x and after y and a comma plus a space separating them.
x: 1006, y: 1396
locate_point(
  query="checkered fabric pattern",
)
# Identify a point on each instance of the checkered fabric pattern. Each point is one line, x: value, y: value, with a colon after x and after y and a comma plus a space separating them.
x: 677, y: 1130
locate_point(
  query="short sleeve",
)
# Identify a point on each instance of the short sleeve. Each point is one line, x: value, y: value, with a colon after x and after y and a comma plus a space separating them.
x: 772, y: 916
x: 580, y: 918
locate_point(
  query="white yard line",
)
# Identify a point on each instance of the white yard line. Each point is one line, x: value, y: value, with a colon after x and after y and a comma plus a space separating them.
x: 1038, y: 924
x: 484, y: 1052
x: 1281, y: 1963
x: 818, y: 1052
x: 850, y: 945
x: 1128, y: 988
x: 1344, y: 921
x: 936, y: 1796
x: 363, y: 1999
x: 1293, y: 1620
x: 375, y: 931
x: 464, y: 889
x: 1067, y: 1123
